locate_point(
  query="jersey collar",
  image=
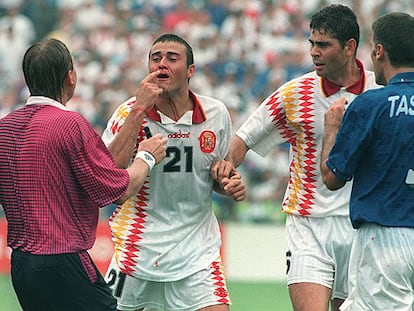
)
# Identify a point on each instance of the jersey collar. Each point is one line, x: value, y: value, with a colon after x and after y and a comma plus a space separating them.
x: 198, y: 112
x: 402, y: 77
x: 43, y: 100
x: 329, y: 88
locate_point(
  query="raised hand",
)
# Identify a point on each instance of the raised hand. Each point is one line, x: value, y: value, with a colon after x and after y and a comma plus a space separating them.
x: 147, y: 92
x: 334, y: 115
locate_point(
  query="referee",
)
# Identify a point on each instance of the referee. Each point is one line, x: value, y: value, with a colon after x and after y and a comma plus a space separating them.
x: 55, y: 174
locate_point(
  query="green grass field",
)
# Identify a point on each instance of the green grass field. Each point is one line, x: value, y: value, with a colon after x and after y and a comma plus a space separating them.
x: 246, y: 296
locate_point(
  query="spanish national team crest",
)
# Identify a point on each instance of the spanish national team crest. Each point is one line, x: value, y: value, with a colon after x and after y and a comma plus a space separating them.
x: 207, y: 141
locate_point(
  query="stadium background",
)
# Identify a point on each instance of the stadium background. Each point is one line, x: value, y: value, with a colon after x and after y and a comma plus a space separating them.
x: 243, y: 49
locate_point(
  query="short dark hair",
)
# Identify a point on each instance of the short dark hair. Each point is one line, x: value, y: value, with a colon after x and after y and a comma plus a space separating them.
x: 45, y: 65
x: 170, y: 37
x: 337, y: 20
x: 395, y: 32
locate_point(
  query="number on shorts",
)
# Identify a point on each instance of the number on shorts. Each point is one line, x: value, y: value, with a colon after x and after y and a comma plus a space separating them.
x: 288, y: 255
x: 116, y: 282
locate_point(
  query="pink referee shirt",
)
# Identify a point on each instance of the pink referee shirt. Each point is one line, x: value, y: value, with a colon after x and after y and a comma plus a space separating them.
x: 55, y: 173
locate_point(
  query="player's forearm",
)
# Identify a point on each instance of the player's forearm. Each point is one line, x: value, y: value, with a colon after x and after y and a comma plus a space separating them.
x: 329, y: 178
x: 237, y: 152
x: 138, y: 172
x: 124, y: 142
x: 151, y: 151
x: 332, y: 123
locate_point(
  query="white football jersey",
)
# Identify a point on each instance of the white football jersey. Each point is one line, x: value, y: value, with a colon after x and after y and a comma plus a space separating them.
x: 294, y: 114
x: 168, y: 230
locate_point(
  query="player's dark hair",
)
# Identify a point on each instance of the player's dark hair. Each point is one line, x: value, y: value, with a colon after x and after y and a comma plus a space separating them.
x: 45, y: 66
x: 394, y: 32
x: 337, y: 20
x: 170, y: 37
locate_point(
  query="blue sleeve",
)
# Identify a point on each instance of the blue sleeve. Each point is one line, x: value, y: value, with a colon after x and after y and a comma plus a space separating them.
x: 341, y: 176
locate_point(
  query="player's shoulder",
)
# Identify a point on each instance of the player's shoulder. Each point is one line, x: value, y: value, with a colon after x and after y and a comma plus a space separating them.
x: 122, y: 110
x: 209, y: 102
x: 207, y: 99
x: 128, y: 103
x: 307, y: 79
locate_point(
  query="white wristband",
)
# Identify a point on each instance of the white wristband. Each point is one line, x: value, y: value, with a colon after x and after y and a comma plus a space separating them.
x: 147, y: 157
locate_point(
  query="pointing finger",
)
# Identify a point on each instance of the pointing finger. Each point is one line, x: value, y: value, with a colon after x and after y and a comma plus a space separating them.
x: 151, y: 77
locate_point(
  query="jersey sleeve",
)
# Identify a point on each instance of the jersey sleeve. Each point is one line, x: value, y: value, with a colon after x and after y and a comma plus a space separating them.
x: 266, y: 127
x: 224, y: 143
x: 116, y: 121
x: 93, y: 165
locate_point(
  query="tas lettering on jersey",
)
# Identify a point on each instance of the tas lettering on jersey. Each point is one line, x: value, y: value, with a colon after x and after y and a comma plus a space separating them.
x: 401, y: 105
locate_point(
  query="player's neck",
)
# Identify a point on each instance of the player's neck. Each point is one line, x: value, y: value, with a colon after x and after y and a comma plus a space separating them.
x: 175, y: 107
x: 349, y: 76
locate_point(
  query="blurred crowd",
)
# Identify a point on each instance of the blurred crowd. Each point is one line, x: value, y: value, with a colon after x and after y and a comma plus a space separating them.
x: 243, y: 49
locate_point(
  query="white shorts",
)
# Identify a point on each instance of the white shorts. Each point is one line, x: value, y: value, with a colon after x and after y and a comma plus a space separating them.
x: 381, y: 273
x: 204, y: 288
x: 318, y: 251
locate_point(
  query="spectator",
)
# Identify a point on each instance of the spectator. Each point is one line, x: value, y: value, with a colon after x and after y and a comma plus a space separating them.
x: 17, y: 32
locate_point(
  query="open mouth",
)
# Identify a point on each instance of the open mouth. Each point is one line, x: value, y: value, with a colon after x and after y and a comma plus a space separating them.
x: 318, y: 66
x: 163, y: 76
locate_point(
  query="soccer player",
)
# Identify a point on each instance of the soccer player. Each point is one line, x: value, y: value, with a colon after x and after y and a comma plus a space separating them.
x: 167, y: 238
x: 318, y: 229
x: 55, y: 174
x: 374, y: 147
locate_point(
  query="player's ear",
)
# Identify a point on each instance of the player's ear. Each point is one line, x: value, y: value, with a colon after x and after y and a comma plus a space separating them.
x: 70, y: 78
x: 379, y: 51
x: 190, y: 71
x: 350, y: 46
